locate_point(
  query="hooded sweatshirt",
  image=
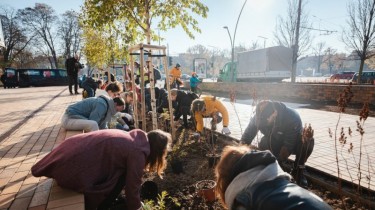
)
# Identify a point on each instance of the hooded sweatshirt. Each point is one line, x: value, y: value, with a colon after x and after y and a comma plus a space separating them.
x: 99, y: 109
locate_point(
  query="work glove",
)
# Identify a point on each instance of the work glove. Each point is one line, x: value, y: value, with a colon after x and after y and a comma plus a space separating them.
x: 226, y: 131
x: 284, y: 153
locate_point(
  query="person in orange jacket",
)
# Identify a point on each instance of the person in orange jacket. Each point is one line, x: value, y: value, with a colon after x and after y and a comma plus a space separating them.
x: 175, y: 75
x: 209, y: 106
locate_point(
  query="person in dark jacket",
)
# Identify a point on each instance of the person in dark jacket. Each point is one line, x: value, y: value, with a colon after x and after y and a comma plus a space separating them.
x: 161, y: 97
x: 100, y: 164
x: 73, y: 66
x: 90, y: 86
x: 282, y: 130
x: 183, y: 102
x: 249, y: 179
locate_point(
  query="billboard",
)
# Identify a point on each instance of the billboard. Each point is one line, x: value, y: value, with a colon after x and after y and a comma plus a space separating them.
x: 200, y: 67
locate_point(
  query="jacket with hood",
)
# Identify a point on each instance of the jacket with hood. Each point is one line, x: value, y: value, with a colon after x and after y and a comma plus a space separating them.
x: 92, y: 163
x: 212, y: 106
x: 260, y: 183
x: 99, y: 109
x: 287, y: 127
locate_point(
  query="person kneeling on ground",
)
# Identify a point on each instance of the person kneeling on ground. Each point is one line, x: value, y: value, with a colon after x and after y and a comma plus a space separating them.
x: 183, y: 102
x: 100, y: 164
x: 248, y: 179
x: 282, y: 130
x: 90, y: 86
x: 209, y: 106
x: 91, y: 114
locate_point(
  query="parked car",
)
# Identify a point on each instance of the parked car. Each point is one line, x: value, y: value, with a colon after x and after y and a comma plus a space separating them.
x: 343, y: 75
x: 367, y: 77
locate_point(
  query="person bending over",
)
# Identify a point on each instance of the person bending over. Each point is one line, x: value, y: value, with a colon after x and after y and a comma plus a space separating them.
x: 248, y: 179
x: 112, y: 90
x: 183, y: 102
x: 91, y: 114
x: 282, y: 130
x: 90, y: 86
x: 100, y: 164
x: 210, y: 107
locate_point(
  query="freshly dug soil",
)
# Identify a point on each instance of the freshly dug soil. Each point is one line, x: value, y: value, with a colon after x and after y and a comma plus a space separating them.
x: 182, y: 187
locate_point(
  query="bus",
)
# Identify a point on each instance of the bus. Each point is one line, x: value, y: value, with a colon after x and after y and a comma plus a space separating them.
x: 42, y: 77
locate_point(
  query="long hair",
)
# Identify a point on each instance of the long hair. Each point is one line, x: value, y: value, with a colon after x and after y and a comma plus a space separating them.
x: 224, y: 169
x: 159, y: 141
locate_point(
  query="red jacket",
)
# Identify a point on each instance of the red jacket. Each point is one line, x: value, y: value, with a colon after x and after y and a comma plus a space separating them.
x: 91, y: 163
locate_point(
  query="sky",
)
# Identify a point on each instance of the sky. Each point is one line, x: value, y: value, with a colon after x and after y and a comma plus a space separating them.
x: 256, y: 24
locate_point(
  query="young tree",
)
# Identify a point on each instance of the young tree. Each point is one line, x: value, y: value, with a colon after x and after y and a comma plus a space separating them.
x: 15, y: 37
x: 360, y: 34
x: 41, y: 20
x: 138, y: 16
x: 70, y: 32
x: 319, y: 53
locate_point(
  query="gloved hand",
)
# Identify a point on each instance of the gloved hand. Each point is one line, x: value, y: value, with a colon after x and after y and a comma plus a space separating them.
x: 284, y: 153
x: 126, y: 127
x: 226, y: 131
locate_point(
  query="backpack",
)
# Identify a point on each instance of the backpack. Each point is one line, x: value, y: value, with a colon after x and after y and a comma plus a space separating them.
x: 157, y: 74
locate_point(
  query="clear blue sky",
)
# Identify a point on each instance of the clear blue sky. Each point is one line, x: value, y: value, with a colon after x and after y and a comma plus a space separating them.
x: 258, y: 19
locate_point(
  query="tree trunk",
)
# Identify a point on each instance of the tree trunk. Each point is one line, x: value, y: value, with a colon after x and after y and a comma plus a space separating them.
x: 360, y: 70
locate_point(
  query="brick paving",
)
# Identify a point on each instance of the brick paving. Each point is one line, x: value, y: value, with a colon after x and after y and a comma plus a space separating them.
x: 323, y: 157
x: 28, y: 141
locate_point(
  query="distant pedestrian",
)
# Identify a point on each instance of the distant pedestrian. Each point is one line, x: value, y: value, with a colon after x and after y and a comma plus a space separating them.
x: 101, y: 164
x: 92, y: 113
x: 73, y: 66
x: 194, y: 81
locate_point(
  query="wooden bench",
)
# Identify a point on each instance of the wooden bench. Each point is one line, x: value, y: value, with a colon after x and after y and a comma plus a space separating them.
x: 60, y: 198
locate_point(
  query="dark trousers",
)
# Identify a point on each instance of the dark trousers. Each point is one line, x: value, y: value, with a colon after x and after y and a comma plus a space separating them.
x: 73, y: 80
x: 302, y: 150
x: 110, y: 199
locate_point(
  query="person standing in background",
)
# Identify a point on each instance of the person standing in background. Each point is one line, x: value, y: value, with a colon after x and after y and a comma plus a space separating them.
x: 73, y: 66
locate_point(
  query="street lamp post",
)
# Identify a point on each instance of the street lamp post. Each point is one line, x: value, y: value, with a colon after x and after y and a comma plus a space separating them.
x: 232, y: 42
x: 264, y: 40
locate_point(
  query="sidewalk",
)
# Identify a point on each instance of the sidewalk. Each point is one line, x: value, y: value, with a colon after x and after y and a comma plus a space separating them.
x: 323, y: 157
x: 29, y: 141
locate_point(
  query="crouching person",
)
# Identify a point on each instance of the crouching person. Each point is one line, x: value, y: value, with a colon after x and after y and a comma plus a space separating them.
x: 254, y: 180
x: 282, y: 130
x: 100, y: 164
x: 183, y: 102
x: 91, y: 114
x: 90, y: 86
x: 210, y: 107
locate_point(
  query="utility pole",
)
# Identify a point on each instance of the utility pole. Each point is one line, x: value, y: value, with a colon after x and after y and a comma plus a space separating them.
x: 295, y: 46
x: 264, y: 40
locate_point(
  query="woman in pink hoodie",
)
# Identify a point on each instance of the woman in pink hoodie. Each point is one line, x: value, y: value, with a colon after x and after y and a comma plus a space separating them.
x: 101, y: 163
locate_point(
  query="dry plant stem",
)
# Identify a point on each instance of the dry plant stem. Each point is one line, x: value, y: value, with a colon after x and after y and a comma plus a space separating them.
x: 360, y: 159
x: 238, y: 117
x: 337, y: 162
